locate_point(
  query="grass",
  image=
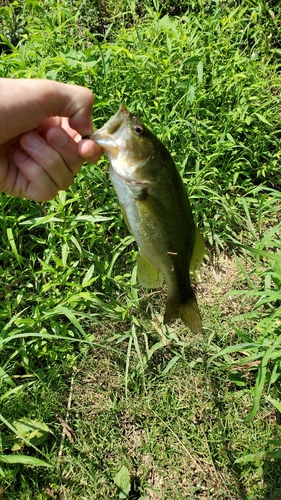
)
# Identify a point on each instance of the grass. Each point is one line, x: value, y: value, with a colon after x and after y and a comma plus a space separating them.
x: 133, y: 409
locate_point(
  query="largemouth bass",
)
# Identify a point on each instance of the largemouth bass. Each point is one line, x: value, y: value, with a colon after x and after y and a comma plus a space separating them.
x: 157, y: 212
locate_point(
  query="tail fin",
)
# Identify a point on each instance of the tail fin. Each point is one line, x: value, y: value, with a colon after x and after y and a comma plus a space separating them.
x: 188, y: 312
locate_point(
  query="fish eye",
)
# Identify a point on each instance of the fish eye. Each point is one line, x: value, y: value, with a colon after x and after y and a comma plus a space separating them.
x: 139, y: 129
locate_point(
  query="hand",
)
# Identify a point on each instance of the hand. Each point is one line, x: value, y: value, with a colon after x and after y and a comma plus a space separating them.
x: 41, y: 125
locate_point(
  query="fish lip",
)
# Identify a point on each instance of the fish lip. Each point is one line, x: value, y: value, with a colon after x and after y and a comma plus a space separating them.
x: 130, y: 180
x: 101, y: 140
x: 134, y: 182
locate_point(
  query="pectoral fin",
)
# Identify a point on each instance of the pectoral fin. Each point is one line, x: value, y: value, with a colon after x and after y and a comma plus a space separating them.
x: 147, y: 274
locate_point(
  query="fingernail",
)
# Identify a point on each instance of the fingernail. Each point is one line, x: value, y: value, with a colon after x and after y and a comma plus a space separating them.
x: 59, y: 138
x: 20, y: 156
x: 32, y: 140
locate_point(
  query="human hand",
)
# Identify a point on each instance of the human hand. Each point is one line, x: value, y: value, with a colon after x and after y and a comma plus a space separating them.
x: 41, y: 126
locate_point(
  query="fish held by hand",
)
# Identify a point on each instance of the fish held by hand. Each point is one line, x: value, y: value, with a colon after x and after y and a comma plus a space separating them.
x: 157, y: 212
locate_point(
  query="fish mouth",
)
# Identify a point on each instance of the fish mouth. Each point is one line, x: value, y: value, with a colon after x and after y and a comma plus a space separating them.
x: 107, y: 135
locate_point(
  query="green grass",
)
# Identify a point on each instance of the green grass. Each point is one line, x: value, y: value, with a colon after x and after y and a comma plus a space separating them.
x: 81, y: 343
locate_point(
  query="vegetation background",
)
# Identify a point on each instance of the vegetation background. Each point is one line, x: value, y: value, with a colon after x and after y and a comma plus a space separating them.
x: 98, y: 399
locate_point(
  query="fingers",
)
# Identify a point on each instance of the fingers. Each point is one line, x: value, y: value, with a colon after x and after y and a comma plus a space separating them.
x: 48, y: 166
x: 71, y: 151
x: 49, y: 163
x: 66, y: 147
x: 32, y: 181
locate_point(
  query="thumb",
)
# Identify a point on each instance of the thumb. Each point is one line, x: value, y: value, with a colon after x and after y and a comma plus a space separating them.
x: 25, y: 105
x: 74, y: 102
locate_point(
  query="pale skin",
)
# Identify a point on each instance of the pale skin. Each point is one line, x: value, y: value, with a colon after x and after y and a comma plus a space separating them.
x: 41, y: 127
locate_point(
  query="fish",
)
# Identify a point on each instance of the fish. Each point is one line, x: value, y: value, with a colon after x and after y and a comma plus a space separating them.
x: 157, y: 212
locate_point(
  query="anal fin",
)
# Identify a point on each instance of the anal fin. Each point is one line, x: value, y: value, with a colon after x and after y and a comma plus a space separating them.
x: 198, y: 251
